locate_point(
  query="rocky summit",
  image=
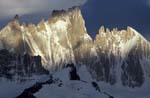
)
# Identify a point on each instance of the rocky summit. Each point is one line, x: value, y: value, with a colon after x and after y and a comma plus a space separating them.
x: 115, y: 56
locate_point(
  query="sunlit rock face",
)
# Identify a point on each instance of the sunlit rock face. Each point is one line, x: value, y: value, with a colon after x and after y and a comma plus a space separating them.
x: 59, y: 40
x: 123, y: 56
x: 115, y: 56
x: 11, y: 37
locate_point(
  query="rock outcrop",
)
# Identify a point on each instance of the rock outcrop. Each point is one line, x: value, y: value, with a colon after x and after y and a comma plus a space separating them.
x: 114, y: 56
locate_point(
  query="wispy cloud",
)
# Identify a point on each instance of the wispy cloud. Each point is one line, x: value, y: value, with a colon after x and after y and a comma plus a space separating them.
x: 147, y: 2
x: 9, y: 8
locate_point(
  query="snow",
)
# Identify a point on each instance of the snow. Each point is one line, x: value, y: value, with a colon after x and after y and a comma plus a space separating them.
x: 119, y: 91
x: 70, y: 89
x: 57, y: 52
x: 47, y: 43
x: 146, y: 96
x: 33, y: 45
x: 11, y: 89
x: 93, y: 52
x: 87, y: 37
x: 84, y: 73
x: 126, y: 47
x: 138, y: 34
x: 79, y: 89
x: 62, y: 74
x: 60, y: 25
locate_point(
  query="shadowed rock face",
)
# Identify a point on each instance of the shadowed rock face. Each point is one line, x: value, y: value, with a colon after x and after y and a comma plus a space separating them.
x: 58, y: 41
x: 25, y: 65
x: 122, y: 56
x: 63, y: 38
x: 73, y: 72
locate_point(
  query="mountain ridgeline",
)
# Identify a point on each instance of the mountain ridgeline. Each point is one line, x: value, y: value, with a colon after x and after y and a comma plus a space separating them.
x: 116, y: 56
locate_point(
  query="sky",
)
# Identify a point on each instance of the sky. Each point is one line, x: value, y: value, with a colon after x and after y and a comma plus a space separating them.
x: 110, y: 13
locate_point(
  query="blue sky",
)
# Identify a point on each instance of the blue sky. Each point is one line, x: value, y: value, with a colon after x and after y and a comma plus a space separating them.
x: 110, y: 13
x: 118, y: 13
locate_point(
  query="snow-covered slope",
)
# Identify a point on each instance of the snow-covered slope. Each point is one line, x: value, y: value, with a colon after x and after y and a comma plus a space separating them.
x: 70, y: 89
x: 62, y: 87
x: 11, y: 89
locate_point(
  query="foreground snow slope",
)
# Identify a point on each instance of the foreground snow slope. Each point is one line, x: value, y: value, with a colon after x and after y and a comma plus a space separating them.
x: 80, y: 89
x: 11, y: 89
x: 70, y: 89
x: 65, y: 88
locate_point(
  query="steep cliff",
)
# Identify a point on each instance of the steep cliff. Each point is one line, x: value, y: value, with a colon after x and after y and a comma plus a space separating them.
x: 117, y: 56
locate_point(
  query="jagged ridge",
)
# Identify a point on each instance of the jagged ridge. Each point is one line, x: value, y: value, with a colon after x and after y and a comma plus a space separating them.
x: 112, y: 57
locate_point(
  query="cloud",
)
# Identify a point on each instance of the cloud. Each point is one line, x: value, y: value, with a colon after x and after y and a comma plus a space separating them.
x: 147, y: 2
x: 8, y: 8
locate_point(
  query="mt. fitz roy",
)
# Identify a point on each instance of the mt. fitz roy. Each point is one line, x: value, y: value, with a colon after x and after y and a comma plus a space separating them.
x: 117, y: 56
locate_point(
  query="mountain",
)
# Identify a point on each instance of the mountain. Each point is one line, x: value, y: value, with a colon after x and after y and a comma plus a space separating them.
x: 115, y: 57
x: 55, y: 40
x: 122, y: 56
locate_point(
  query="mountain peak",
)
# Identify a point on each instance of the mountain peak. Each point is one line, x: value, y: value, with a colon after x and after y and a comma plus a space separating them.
x: 63, y: 39
x: 102, y: 29
x: 63, y: 12
x: 58, y: 12
x: 75, y: 8
x: 16, y: 16
x: 130, y: 29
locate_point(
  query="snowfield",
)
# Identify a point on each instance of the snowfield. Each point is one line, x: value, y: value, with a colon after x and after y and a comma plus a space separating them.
x: 70, y: 89
x: 11, y: 89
